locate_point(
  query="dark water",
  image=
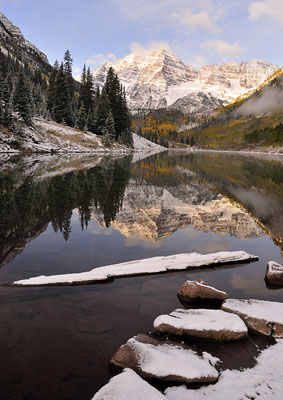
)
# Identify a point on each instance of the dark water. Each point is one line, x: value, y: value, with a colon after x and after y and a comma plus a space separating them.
x: 71, y: 214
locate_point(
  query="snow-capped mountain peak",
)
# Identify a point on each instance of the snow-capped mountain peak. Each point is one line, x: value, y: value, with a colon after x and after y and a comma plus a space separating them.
x: 162, y: 80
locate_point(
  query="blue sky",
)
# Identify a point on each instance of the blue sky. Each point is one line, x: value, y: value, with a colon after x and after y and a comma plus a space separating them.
x: 198, y: 31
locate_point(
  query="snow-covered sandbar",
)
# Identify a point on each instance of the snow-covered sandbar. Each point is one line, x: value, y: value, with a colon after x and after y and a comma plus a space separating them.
x: 155, y: 265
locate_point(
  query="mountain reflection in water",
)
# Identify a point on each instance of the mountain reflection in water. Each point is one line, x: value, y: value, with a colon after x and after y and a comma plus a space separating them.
x: 152, y: 198
x: 68, y: 213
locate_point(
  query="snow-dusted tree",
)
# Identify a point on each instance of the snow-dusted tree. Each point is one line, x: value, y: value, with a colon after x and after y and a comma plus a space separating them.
x: 22, y: 100
x: 81, y: 118
x: 108, y: 130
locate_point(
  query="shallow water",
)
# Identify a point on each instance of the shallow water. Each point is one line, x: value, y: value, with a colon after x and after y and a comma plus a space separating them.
x: 71, y: 214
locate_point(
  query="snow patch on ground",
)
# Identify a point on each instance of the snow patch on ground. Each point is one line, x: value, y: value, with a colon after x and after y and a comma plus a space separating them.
x: 49, y: 137
x: 128, y: 385
x: 263, y: 382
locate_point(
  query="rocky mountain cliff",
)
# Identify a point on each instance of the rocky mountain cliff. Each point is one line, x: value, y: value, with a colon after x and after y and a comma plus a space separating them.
x: 162, y: 80
x: 13, y: 42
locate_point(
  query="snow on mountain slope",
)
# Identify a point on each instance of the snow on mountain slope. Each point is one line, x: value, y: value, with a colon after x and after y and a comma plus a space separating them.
x: 162, y: 80
x: 13, y: 42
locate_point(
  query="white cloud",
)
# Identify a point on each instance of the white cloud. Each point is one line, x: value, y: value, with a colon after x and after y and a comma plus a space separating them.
x: 98, y: 59
x: 194, y: 21
x: 172, y: 14
x: 266, y: 8
x: 198, y: 61
x: 223, y: 48
x: 143, y: 51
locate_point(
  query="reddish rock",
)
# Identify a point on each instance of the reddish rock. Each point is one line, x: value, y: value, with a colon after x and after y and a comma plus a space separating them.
x: 169, y: 361
x: 194, y: 291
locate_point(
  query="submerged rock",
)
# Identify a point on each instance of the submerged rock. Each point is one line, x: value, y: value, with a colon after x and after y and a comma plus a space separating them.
x: 194, y: 291
x: 274, y: 274
x: 202, y: 324
x: 169, y: 361
x: 128, y: 385
x: 263, y: 317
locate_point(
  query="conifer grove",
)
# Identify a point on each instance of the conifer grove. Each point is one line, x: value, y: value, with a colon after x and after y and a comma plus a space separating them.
x: 26, y: 92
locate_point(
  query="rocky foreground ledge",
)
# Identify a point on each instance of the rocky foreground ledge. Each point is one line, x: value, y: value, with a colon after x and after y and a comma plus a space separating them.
x: 148, y: 266
x: 157, y: 356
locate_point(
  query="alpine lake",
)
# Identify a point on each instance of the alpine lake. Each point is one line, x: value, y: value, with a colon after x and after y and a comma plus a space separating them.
x: 72, y: 213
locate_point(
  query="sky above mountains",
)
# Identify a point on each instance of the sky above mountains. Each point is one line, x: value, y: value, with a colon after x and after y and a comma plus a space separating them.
x: 199, y: 32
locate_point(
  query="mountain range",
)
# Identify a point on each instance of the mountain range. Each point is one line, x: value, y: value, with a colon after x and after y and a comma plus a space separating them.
x: 161, y: 80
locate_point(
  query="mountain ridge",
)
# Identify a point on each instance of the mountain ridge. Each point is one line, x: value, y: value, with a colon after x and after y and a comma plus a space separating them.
x: 161, y: 80
x: 13, y: 43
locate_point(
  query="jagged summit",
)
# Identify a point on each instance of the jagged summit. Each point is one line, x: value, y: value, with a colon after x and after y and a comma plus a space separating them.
x: 13, y: 42
x: 162, y: 80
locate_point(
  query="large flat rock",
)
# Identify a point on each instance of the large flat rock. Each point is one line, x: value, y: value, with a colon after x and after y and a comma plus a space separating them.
x: 202, y: 324
x: 194, y: 291
x: 274, y: 274
x: 154, y: 265
x: 168, y: 361
x: 263, y: 317
x: 128, y: 385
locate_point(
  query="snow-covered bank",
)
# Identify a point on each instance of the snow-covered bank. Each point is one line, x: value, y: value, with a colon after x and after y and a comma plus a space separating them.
x: 264, y: 381
x: 50, y: 137
x: 274, y: 152
x: 155, y: 265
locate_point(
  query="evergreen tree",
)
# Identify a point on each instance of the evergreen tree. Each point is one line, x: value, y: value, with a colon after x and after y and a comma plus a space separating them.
x: 102, y: 112
x: 87, y: 89
x: 108, y: 130
x: 52, y: 88
x: 81, y: 118
x: 22, y: 99
x: 68, y: 69
x: 61, y: 105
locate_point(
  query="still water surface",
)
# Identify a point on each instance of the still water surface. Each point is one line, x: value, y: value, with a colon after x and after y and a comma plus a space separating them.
x: 70, y: 214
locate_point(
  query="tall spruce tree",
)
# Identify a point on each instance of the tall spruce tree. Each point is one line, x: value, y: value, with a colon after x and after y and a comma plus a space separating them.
x: 108, y: 130
x: 68, y: 69
x: 22, y: 98
x: 81, y: 118
x: 61, y: 106
x: 87, y: 90
x: 52, y: 88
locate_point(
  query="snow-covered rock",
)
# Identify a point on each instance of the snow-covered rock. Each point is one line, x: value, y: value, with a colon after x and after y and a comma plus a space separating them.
x: 155, y: 265
x: 194, y: 291
x: 128, y: 385
x: 262, y: 382
x: 202, y: 324
x: 162, y: 80
x: 142, y: 144
x: 166, y: 361
x: 274, y: 274
x: 264, y: 317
